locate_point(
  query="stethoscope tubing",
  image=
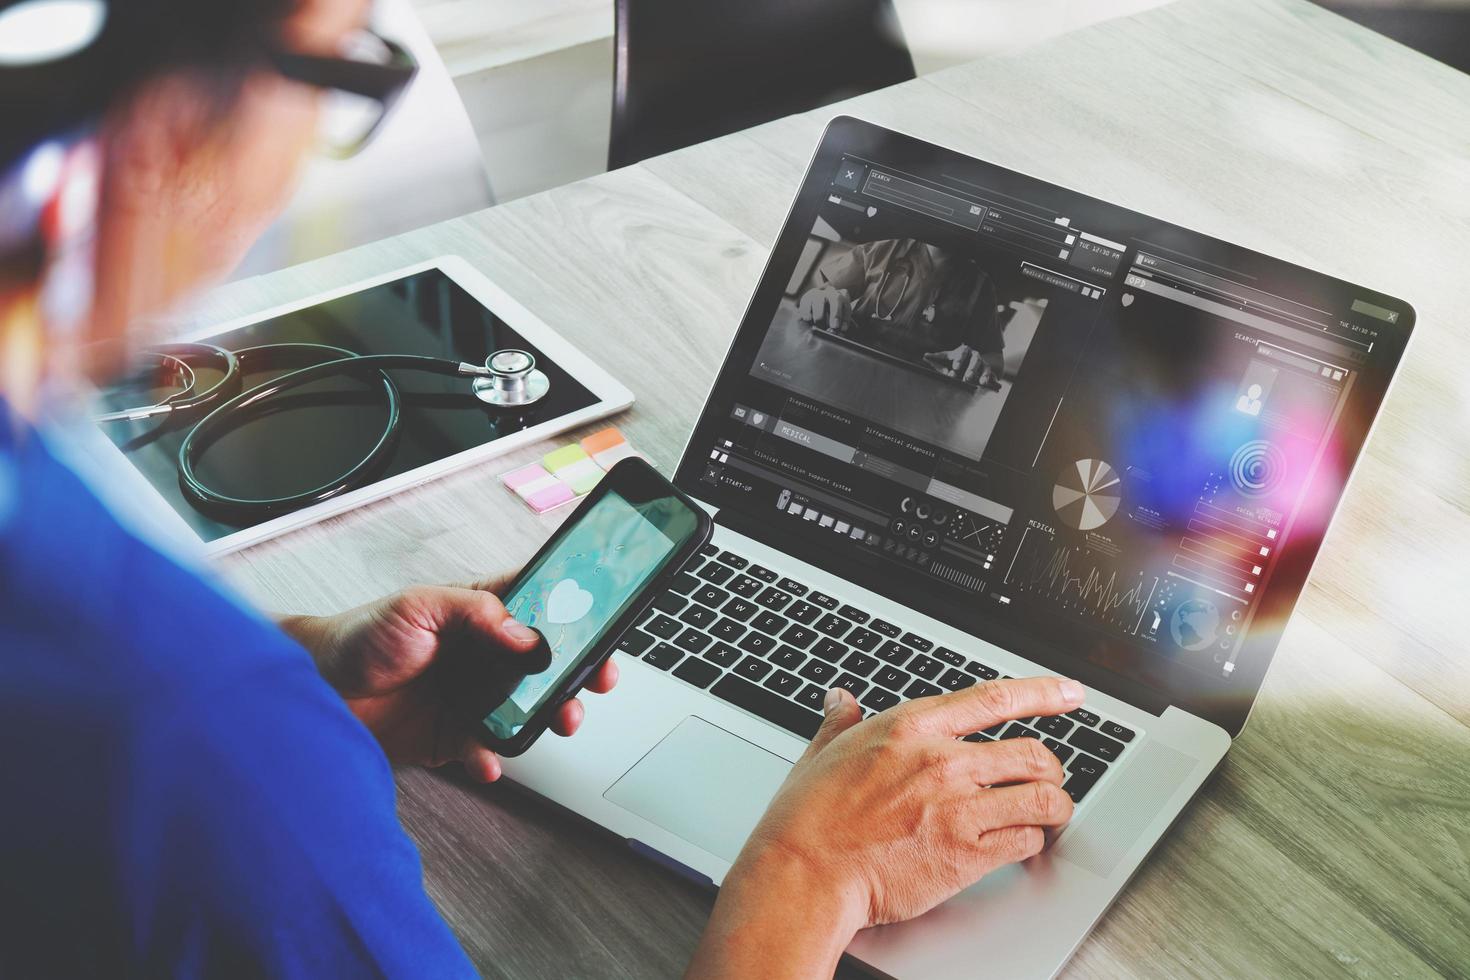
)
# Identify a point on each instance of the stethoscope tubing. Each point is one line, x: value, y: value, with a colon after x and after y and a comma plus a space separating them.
x: 240, y: 406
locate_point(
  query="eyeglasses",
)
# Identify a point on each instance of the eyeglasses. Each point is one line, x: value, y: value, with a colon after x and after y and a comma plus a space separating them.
x: 362, y: 86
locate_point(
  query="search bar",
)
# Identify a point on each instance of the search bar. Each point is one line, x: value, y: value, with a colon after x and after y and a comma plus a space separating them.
x: 924, y: 199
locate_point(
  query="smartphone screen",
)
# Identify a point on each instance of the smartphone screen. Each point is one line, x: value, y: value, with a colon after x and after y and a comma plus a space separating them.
x: 583, y: 583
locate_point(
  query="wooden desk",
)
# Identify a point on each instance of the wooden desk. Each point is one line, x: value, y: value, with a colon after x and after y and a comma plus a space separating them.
x: 1334, y: 839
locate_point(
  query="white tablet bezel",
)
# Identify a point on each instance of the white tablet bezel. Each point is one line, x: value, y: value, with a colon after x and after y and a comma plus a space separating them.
x: 611, y: 395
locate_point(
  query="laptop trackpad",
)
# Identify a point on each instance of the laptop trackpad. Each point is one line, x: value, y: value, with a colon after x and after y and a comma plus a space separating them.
x: 704, y: 785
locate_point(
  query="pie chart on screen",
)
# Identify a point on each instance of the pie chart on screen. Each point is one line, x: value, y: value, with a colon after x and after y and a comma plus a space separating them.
x: 1087, y: 494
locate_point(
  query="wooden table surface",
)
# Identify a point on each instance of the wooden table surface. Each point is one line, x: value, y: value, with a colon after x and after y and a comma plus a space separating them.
x: 1336, y: 837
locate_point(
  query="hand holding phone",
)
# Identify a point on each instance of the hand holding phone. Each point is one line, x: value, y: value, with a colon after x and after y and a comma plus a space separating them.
x: 588, y: 584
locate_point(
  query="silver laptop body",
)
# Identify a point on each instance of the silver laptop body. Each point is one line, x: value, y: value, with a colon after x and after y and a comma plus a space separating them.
x: 1173, y: 599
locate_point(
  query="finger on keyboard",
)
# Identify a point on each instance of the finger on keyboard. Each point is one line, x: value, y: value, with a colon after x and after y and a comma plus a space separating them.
x: 977, y: 708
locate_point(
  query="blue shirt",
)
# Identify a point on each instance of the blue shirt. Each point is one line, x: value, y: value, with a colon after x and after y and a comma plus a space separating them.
x: 180, y: 792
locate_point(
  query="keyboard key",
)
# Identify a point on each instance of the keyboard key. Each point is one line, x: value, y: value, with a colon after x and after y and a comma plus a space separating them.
x: 769, y: 622
x: 634, y: 642
x: 693, y: 640
x: 822, y: 599
x: 723, y: 654
x: 669, y: 602
x: 768, y: 705
x: 757, y: 643
x: 863, y: 639
x: 762, y: 573
x: 926, y: 668
x: 803, y: 612
x: 854, y: 613
x: 715, y: 573
x: 1084, y: 716
x: 663, y: 656
x: 697, y: 672
x: 994, y: 730
x: 783, y: 683
x: 860, y: 664
x: 955, y: 680
x: 1085, y: 763
x: 697, y: 615
x: 744, y: 585
x: 684, y: 583
x: 981, y: 671
x: 799, y: 636
x: 952, y: 657
x: 708, y: 550
x: 1062, y: 752
x: 739, y: 609
x: 733, y: 560
x: 1089, y: 741
x: 812, y: 696
x: 792, y: 586
x: 1115, y: 730
x: 1017, y: 730
x: 886, y: 628
x: 663, y: 627
x: 1056, y: 726
x: 879, y: 699
x: 711, y: 596
x: 918, y: 642
x: 752, y: 668
x: 774, y: 598
x: 892, y: 678
x: 829, y: 650
x: 788, y: 657
x: 727, y: 629
x: 894, y: 653
x: 1078, y: 784
x: 922, y: 689
x: 977, y: 737
x: 833, y: 625
x: 854, y: 684
x: 819, y: 671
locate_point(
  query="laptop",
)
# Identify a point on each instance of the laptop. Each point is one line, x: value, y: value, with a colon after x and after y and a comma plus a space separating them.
x: 975, y: 425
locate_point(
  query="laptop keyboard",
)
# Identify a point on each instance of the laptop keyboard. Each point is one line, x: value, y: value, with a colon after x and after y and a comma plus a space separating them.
x: 772, y: 646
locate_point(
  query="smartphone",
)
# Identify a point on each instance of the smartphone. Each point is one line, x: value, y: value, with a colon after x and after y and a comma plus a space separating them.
x: 589, y: 583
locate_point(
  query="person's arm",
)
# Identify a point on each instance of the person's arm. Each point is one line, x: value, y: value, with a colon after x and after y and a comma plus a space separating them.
x: 422, y: 667
x: 881, y: 821
x: 830, y: 305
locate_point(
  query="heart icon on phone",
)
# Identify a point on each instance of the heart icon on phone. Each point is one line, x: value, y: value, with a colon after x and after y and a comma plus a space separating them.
x: 1127, y: 299
x: 567, y: 603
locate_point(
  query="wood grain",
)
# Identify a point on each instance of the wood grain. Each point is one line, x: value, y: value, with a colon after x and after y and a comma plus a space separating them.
x: 1334, y: 841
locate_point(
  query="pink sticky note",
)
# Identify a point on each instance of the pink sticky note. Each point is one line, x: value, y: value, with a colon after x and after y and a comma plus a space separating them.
x: 516, y: 479
x: 550, y: 497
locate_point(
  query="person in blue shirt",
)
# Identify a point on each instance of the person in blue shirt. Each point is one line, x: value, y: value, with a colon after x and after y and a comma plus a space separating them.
x: 193, y: 789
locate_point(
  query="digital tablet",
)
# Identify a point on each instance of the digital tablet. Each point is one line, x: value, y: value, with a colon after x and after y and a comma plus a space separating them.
x: 442, y: 308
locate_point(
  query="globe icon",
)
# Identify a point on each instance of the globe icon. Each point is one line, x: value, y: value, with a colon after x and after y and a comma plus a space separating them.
x: 1195, y: 625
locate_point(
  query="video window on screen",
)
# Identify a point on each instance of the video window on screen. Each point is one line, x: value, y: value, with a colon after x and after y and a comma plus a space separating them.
x: 910, y: 333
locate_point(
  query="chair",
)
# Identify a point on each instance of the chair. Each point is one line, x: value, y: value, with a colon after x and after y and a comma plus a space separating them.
x: 685, y: 71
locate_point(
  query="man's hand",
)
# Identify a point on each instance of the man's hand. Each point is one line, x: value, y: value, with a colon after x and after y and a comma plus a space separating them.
x: 422, y: 667
x: 963, y: 362
x: 828, y: 308
x: 883, y: 820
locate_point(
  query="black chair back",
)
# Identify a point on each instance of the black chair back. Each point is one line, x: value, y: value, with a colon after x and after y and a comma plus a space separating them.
x: 686, y: 71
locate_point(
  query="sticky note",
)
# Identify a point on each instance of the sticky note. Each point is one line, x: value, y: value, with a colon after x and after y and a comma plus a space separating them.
x: 539, y: 489
x: 560, y: 459
x: 581, y: 476
x: 598, y: 441
x: 608, y: 448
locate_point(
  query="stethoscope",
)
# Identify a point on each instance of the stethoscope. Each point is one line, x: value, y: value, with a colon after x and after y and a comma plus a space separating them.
x: 509, y: 379
x: 908, y: 278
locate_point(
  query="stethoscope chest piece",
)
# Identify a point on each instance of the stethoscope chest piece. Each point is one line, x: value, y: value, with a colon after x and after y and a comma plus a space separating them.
x: 515, y: 381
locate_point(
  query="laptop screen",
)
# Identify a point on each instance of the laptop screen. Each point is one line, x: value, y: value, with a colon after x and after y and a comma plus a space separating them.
x: 1102, y: 441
